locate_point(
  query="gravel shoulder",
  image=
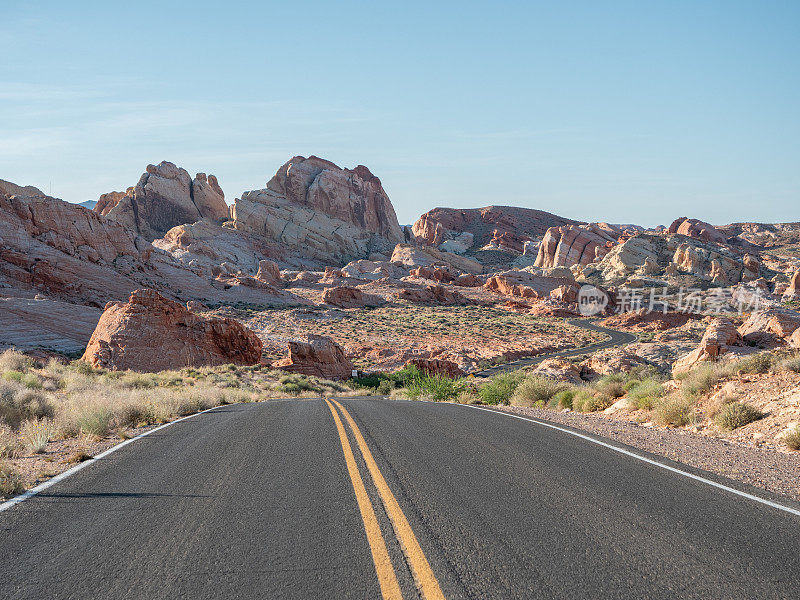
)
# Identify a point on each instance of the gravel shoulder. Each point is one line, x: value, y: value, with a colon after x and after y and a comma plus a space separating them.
x: 774, y: 471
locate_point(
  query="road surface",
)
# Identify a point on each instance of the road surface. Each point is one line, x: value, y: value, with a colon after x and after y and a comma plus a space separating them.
x: 376, y: 498
x: 615, y: 338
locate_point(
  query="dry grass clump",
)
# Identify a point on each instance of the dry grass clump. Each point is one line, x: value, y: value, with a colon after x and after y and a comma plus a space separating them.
x: 35, y: 434
x: 587, y: 400
x: 10, y: 481
x: 11, y: 360
x: 792, y: 438
x: 737, y: 414
x: 674, y: 410
x: 19, y: 403
x: 790, y: 364
x: 645, y: 393
x: 535, y: 391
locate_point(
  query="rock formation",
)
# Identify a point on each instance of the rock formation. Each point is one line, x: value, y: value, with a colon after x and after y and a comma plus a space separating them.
x: 506, y: 227
x: 436, y: 366
x: 697, y: 229
x: 524, y: 284
x: 164, y: 197
x: 576, y: 245
x: 350, y: 297
x: 793, y: 291
x: 771, y: 327
x: 76, y: 255
x: 326, y: 214
x: 151, y: 333
x: 413, y: 256
x: 719, y: 336
x: 317, y: 356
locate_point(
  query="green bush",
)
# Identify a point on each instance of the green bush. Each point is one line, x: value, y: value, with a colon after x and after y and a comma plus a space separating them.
x: 736, y: 415
x: 643, y: 394
x: 95, y: 421
x: 563, y: 399
x: 535, y: 390
x: 612, y: 385
x: 699, y: 381
x: 501, y: 387
x: 586, y: 400
x: 436, y: 387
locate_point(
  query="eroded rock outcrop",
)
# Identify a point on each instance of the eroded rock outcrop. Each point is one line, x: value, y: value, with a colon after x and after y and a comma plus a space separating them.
x: 350, y: 297
x: 506, y: 227
x: 414, y: 256
x: 771, y: 327
x: 792, y: 292
x: 719, y: 336
x: 576, y: 244
x: 151, y: 333
x: 322, y: 212
x: 436, y: 366
x: 524, y: 284
x: 317, y: 356
x: 164, y: 197
x: 697, y: 229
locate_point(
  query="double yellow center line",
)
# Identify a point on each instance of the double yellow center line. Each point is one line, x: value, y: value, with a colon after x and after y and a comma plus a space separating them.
x: 424, y: 578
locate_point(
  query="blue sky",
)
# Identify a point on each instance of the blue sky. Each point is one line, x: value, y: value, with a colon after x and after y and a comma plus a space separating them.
x: 617, y: 111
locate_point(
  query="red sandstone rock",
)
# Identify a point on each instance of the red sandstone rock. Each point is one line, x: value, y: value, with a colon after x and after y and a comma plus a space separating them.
x: 268, y: 272
x: 165, y: 197
x: 317, y: 356
x: 468, y: 280
x: 647, y: 320
x: 695, y: 228
x: 349, y: 297
x: 770, y: 327
x: 151, y: 333
x: 793, y: 291
x: 718, y: 337
x: 435, y: 366
x: 433, y: 273
x: 576, y: 245
x: 524, y: 284
x: 500, y: 223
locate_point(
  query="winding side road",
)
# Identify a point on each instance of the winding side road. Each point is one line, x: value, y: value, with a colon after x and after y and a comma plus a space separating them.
x: 615, y: 338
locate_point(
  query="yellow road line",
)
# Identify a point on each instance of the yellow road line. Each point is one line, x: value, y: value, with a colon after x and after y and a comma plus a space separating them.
x: 423, y: 574
x: 390, y: 589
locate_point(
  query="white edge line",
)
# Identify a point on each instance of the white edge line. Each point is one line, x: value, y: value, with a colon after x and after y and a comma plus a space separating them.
x: 62, y: 476
x: 643, y: 459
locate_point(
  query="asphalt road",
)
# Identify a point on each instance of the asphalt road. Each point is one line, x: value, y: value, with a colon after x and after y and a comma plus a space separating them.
x: 615, y: 338
x: 259, y: 501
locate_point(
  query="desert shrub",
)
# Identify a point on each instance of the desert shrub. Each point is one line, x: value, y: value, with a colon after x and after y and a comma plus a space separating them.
x: 500, y: 388
x: 8, y: 442
x: 436, y: 387
x: 10, y: 481
x: 95, y: 421
x: 18, y: 403
x: 643, y: 394
x: 611, y: 385
x: 35, y: 434
x: 31, y: 381
x: 535, y: 390
x: 699, y: 381
x: 792, y: 438
x: 11, y: 360
x: 674, y: 410
x: 468, y: 396
x: 84, y: 368
x: 586, y: 400
x: 296, y: 384
x: 790, y: 364
x: 15, y: 376
x: 385, y: 386
x: 736, y: 415
x: 756, y: 363
x: 563, y: 399
x: 137, y: 381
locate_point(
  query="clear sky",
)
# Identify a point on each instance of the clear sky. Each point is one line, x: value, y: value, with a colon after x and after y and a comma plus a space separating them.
x: 600, y: 110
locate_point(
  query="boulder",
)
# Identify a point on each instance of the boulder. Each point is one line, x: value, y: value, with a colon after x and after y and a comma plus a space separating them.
x: 415, y: 256
x: 719, y: 336
x: 319, y: 211
x: 793, y: 291
x: 164, y: 197
x: 559, y: 370
x: 770, y: 327
x: 794, y: 340
x: 317, y: 356
x: 268, y: 272
x: 525, y: 284
x: 151, y: 333
x: 468, y: 280
x: 350, y: 297
x: 433, y: 273
x: 435, y: 366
